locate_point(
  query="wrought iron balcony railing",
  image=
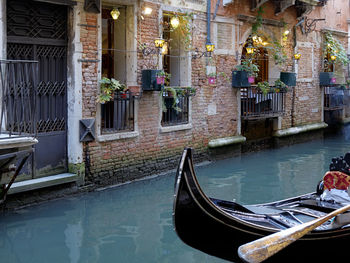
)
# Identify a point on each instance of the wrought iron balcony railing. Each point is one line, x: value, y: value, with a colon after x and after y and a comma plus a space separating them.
x: 334, y: 97
x: 257, y: 105
x: 18, y: 80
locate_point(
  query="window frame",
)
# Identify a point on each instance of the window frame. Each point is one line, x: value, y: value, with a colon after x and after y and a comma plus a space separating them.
x: 131, y: 75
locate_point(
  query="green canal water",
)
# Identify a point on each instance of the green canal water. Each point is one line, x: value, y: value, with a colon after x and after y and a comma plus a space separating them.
x: 132, y: 223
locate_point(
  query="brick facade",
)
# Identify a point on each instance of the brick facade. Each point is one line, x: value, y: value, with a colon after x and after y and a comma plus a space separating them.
x: 214, y: 109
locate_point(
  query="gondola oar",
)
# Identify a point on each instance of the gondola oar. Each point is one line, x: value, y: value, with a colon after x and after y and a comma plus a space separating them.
x: 263, y: 248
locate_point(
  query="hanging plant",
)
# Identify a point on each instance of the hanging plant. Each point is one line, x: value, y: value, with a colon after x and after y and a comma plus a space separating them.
x: 107, y: 89
x: 183, y: 28
x: 264, y: 87
x: 333, y: 51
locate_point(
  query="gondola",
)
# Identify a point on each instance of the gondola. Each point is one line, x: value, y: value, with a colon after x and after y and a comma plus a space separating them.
x: 219, y: 227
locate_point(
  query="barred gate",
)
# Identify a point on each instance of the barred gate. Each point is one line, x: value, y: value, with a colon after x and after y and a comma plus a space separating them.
x: 38, y: 31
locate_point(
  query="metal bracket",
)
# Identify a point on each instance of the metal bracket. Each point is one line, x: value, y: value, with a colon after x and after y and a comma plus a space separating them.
x: 87, y: 130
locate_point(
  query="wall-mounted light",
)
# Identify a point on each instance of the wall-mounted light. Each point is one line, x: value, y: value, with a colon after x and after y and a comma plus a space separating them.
x: 209, y: 47
x: 147, y: 11
x: 333, y: 57
x: 174, y: 22
x: 297, y: 56
x: 159, y: 42
x: 286, y: 33
x: 115, y: 13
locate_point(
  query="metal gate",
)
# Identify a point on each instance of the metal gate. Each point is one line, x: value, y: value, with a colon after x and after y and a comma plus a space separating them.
x: 38, y: 31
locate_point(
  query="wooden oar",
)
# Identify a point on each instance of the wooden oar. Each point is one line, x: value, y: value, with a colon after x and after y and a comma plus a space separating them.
x: 263, y: 248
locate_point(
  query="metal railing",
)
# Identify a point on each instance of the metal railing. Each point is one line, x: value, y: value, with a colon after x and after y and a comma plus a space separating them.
x: 334, y: 97
x: 118, y: 114
x: 257, y: 105
x: 18, y: 80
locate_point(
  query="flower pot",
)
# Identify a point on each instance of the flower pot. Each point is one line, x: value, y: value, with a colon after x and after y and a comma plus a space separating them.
x: 288, y: 78
x: 251, y: 79
x: 240, y: 79
x: 326, y: 78
x: 160, y: 80
x: 211, y: 80
x: 149, y: 80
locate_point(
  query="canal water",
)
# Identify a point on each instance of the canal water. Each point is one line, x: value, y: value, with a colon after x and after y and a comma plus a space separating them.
x: 132, y: 223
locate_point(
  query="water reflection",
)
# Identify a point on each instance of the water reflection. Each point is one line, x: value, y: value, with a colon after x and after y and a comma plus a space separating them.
x: 133, y: 223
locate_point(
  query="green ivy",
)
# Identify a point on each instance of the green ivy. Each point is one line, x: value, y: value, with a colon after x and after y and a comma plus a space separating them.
x: 333, y: 47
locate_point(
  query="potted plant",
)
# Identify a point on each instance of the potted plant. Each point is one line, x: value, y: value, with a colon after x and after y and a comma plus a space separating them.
x: 160, y: 76
x: 211, y: 78
x: 264, y: 87
x: 245, y: 73
x: 107, y: 89
x: 280, y: 86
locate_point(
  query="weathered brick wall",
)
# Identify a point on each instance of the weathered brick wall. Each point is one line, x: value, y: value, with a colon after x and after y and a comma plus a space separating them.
x: 214, y: 108
x: 88, y: 38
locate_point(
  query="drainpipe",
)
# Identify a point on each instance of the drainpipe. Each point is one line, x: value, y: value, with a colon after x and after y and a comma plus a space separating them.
x: 208, y: 20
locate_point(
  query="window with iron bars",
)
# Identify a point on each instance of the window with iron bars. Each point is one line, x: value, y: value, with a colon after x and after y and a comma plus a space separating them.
x: 175, y: 62
x: 117, y: 115
x: 175, y: 113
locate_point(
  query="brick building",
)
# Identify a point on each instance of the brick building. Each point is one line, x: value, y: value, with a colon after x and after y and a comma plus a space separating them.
x: 142, y: 133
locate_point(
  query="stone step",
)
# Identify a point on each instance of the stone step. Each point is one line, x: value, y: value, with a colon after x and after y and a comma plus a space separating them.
x: 38, y: 183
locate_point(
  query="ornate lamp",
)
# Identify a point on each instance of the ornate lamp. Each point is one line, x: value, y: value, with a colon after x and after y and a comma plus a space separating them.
x: 209, y: 47
x: 159, y: 42
x: 250, y: 49
x: 297, y: 56
x: 115, y: 13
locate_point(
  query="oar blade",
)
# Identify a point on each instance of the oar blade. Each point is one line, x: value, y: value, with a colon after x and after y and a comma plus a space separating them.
x: 263, y: 248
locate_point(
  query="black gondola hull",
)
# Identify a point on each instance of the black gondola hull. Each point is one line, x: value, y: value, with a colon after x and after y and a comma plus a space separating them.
x: 201, y: 224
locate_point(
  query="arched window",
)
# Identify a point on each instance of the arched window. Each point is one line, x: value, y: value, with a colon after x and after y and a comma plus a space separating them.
x: 260, y: 56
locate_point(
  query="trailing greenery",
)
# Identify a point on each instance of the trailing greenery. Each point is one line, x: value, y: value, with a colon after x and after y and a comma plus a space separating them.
x: 280, y: 86
x: 264, y: 87
x: 184, y: 28
x: 333, y: 47
x: 107, y: 89
x: 174, y: 93
x: 258, y: 22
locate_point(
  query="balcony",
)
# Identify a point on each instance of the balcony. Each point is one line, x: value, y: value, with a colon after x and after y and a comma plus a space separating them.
x: 334, y: 98
x: 257, y: 105
x: 18, y: 80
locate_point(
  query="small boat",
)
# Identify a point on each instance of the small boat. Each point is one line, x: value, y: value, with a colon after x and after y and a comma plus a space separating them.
x: 219, y: 227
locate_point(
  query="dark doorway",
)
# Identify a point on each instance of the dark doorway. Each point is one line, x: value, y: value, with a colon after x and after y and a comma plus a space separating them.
x: 38, y: 31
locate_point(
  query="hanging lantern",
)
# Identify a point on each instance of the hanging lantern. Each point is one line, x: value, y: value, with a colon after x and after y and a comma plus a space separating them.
x: 333, y: 57
x: 159, y: 42
x: 174, y: 22
x: 250, y: 49
x: 115, y: 13
x: 297, y: 56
